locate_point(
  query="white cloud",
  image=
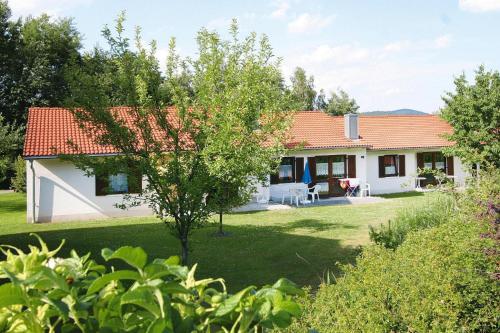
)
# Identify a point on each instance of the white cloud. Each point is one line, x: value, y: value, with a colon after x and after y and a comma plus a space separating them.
x: 282, y: 7
x: 309, y: 23
x: 397, y: 46
x: 341, y: 54
x: 442, y: 41
x: 478, y: 6
x: 218, y: 23
x: 37, y: 7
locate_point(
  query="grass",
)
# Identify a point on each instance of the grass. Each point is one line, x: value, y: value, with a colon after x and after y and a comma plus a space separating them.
x: 301, y: 244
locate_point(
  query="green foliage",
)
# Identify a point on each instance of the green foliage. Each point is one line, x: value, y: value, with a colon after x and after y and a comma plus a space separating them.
x: 473, y: 111
x: 441, y: 279
x: 340, y: 104
x: 302, y: 90
x: 34, y: 56
x: 18, y: 182
x: 213, y: 137
x: 11, y: 138
x: 46, y: 293
x: 435, y: 211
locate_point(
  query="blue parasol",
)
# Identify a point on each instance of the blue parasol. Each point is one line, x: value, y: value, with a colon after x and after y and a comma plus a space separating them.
x: 306, y: 178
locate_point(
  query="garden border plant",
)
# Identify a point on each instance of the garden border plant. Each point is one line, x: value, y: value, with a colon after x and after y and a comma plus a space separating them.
x: 46, y: 293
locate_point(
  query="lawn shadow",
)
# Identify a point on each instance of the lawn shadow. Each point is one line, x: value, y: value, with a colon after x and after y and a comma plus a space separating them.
x: 13, y: 205
x: 401, y: 195
x: 314, y: 225
x: 255, y: 255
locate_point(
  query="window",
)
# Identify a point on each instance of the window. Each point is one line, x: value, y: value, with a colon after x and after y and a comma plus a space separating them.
x: 440, y: 162
x: 321, y: 168
x: 391, y: 166
x: 286, y: 172
x: 338, y: 166
x: 432, y: 160
x: 119, y: 183
x: 428, y: 160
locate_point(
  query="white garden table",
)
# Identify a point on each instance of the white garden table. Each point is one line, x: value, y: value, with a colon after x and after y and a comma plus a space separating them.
x: 418, y: 179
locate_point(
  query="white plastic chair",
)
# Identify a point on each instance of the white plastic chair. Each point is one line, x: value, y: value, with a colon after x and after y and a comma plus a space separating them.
x: 314, y: 192
x: 365, y: 190
x: 263, y: 198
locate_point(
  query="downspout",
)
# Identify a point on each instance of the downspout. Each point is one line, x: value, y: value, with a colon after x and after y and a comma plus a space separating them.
x: 33, y: 191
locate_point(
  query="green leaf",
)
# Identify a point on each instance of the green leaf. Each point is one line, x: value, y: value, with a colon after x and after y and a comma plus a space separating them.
x: 290, y: 307
x: 143, y: 297
x: 102, y: 281
x: 288, y: 287
x: 232, y: 302
x: 134, y: 256
x: 174, y: 288
x: 160, y: 326
x: 11, y: 294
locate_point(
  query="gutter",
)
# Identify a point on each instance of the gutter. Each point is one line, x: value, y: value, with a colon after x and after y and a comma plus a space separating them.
x: 33, y: 196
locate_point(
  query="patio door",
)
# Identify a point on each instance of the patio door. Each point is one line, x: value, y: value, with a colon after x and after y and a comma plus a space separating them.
x: 326, y: 171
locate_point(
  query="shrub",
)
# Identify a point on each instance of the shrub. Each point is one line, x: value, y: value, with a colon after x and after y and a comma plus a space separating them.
x: 435, y: 211
x: 440, y: 279
x: 49, y: 294
x: 437, y: 280
x: 18, y: 182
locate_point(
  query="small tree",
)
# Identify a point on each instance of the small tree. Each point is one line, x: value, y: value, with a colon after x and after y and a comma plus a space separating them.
x: 473, y: 111
x: 340, y: 104
x: 18, y: 182
x: 227, y: 195
x: 302, y: 90
x: 230, y: 129
x: 11, y: 138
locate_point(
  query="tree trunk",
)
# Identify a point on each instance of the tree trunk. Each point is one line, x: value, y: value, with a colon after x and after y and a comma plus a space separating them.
x: 185, y: 249
x: 221, y: 232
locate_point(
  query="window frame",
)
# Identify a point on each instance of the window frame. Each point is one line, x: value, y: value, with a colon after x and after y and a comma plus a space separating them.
x: 292, y: 163
x: 395, y: 157
x: 102, y: 187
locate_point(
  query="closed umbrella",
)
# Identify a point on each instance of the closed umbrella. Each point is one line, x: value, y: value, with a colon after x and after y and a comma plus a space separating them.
x: 306, y: 178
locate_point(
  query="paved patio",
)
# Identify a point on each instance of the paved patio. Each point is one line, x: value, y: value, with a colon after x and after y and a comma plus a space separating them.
x: 253, y: 206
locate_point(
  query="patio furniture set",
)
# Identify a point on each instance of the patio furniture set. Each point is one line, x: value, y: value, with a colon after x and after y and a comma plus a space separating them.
x: 300, y: 194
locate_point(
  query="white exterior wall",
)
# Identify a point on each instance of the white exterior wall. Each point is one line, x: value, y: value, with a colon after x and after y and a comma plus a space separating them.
x: 392, y: 184
x: 407, y: 183
x: 277, y: 190
x: 63, y: 192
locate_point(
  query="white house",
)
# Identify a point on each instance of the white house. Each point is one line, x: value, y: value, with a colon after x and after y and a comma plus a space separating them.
x: 383, y: 151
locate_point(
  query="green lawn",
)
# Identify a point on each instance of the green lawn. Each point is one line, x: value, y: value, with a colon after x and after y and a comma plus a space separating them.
x: 301, y: 244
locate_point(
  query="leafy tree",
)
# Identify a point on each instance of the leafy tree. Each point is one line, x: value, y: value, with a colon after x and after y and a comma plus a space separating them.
x: 340, y: 104
x: 302, y: 90
x: 11, y: 64
x: 11, y: 138
x: 183, y: 152
x: 18, y: 182
x: 228, y: 194
x: 473, y: 111
x: 34, y: 54
x: 321, y: 101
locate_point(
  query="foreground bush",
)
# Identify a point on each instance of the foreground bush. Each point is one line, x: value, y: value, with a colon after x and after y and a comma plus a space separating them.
x: 441, y: 279
x: 435, y: 211
x: 49, y: 294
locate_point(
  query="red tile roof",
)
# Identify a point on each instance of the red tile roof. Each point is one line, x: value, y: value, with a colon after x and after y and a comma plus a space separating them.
x: 316, y: 130
x: 50, y: 130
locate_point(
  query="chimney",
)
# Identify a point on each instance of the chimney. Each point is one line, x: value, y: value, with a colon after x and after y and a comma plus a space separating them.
x: 351, y: 126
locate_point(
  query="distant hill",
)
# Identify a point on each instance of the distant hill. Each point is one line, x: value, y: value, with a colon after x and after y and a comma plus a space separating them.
x: 399, y: 112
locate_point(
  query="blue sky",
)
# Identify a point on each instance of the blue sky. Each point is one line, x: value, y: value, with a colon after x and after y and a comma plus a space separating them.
x: 387, y: 54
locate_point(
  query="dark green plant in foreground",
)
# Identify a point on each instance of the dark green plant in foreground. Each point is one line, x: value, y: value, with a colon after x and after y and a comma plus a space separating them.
x: 45, y: 293
x: 441, y: 278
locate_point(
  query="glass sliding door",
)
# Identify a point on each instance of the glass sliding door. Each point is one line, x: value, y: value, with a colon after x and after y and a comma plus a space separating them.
x: 338, y: 172
x: 322, y: 174
x: 329, y: 169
